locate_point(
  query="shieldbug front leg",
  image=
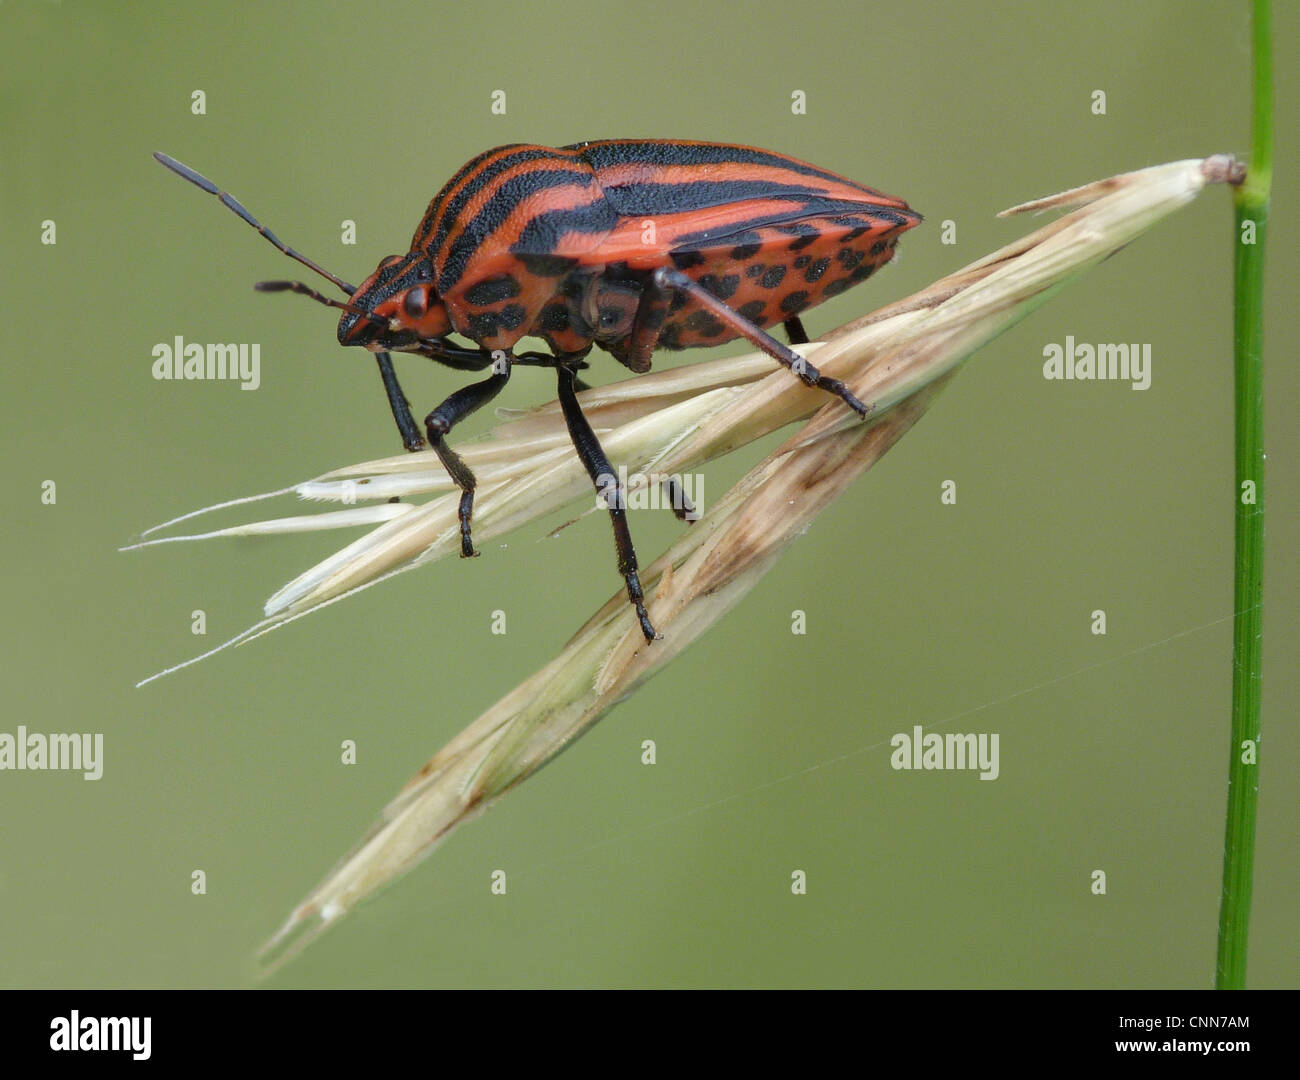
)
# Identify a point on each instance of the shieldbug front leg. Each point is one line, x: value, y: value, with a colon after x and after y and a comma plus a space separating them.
x: 411, y: 437
x: 665, y: 281
x: 452, y: 356
x: 446, y: 416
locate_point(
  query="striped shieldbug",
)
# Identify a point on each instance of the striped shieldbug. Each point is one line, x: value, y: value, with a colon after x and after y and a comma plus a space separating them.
x: 631, y: 245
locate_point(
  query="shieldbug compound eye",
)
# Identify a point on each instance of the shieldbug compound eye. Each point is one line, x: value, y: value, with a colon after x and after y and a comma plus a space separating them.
x: 699, y: 243
x: 415, y: 303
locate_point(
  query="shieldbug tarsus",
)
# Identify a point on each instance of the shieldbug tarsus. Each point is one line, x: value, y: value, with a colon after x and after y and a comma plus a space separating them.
x: 552, y: 243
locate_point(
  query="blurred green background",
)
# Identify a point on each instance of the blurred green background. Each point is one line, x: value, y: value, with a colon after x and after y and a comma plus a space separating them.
x: 773, y: 749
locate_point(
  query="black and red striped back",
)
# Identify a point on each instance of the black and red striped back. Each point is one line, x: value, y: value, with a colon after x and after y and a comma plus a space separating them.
x: 590, y: 201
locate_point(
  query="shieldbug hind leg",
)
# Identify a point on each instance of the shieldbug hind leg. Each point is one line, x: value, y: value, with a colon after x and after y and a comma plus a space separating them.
x: 664, y: 281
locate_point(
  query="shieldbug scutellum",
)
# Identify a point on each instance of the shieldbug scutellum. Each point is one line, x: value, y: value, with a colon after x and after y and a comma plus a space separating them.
x: 631, y: 245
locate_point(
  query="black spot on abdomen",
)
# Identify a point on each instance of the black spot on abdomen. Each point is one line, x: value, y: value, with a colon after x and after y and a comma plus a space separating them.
x: 721, y: 287
x: 492, y: 291
x: 814, y: 273
x: 795, y: 302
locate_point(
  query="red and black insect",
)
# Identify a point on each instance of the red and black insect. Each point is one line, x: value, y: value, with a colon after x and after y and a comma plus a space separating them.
x: 631, y: 245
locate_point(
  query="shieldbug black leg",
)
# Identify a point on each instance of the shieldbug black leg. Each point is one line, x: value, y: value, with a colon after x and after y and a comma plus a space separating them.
x: 446, y: 416
x: 663, y: 282
x: 680, y: 501
x: 795, y: 332
x: 411, y: 437
x: 602, y: 475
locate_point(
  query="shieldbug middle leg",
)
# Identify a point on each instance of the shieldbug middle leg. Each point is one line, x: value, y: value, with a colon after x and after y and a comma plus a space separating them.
x: 607, y: 485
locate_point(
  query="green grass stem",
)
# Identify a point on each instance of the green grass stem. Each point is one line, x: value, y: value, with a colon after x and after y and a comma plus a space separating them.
x: 1251, y: 204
